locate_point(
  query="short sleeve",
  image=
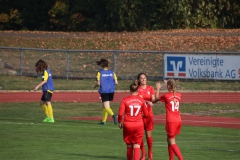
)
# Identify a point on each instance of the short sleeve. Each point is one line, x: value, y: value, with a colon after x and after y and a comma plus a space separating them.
x: 45, y: 74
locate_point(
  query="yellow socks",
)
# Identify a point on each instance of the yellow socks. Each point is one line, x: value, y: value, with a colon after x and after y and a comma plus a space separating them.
x: 50, y: 111
x: 109, y: 111
x: 106, y: 111
x: 45, y: 110
x: 105, y: 115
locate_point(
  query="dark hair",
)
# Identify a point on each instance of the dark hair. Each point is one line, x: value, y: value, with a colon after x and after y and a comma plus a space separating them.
x: 134, y: 86
x: 138, y: 77
x: 41, y: 65
x: 102, y: 62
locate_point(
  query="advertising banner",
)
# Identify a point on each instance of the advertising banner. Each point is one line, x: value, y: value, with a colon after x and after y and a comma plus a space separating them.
x: 202, y: 67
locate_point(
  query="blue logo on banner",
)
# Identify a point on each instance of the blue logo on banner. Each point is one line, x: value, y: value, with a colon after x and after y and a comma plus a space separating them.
x: 176, y: 66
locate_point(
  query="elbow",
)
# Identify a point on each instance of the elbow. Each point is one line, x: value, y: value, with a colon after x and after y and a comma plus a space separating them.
x: 145, y: 116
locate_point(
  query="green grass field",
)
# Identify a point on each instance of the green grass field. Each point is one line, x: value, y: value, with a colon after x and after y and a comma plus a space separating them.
x: 19, y: 83
x: 24, y: 136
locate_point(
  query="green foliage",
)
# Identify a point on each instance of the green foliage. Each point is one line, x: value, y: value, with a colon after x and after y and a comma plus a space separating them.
x: 35, y: 14
x: 203, y: 13
x: 10, y: 20
x: 59, y: 15
x: 118, y: 15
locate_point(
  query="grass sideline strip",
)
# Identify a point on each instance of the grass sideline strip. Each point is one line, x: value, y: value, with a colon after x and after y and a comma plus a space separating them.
x: 19, y: 83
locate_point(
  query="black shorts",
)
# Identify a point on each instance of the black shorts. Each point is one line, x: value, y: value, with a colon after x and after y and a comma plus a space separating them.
x: 47, y: 96
x: 107, y: 96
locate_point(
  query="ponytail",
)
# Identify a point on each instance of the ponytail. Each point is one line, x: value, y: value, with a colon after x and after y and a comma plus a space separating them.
x: 172, y: 87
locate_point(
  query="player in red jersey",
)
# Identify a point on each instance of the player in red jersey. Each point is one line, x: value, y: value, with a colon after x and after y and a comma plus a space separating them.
x: 173, y: 119
x: 133, y: 108
x: 148, y: 94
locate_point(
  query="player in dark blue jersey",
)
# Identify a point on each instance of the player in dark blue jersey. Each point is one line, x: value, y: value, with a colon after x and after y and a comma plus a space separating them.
x: 106, y: 80
x: 47, y: 88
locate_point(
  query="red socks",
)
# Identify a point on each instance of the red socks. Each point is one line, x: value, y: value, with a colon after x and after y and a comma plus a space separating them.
x: 129, y: 153
x: 170, y: 153
x: 133, y: 155
x: 136, y: 153
x: 142, y: 147
x: 149, y: 142
x: 176, y: 151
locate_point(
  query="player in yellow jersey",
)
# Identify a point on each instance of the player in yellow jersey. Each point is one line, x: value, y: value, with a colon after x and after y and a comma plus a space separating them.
x: 106, y: 80
x: 47, y: 88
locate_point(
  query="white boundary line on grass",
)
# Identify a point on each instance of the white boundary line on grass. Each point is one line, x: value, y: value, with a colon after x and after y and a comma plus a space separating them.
x: 196, y: 146
x: 57, y: 125
x: 105, y: 127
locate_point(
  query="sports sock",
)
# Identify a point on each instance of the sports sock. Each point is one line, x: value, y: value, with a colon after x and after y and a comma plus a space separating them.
x: 136, y: 153
x: 143, y: 148
x: 105, y: 115
x: 129, y: 153
x: 170, y: 153
x: 109, y: 111
x: 149, y: 142
x: 177, y: 151
x: 45, y: 110
x: 50, y: 111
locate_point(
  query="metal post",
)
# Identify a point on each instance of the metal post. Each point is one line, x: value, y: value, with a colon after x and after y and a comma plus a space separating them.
x: 215, y: 79
x: 20, y: 69
x: 114, y: 58
x: 67, y: 69
x: 163, y: 66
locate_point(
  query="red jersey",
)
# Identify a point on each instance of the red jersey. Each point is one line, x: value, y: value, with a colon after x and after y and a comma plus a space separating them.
x: 172, y: 108
x: 133, y: 107
x: 146, y: 94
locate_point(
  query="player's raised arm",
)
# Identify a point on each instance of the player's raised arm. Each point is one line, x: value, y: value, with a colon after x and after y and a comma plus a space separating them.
x: 158, y: 86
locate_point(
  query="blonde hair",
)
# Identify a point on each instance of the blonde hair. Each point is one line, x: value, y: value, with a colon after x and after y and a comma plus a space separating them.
x: 171, y: 84
x: 134, y: 86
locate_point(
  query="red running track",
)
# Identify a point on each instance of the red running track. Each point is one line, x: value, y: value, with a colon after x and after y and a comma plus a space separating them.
x: 193, y: 97
x: 187, y: 120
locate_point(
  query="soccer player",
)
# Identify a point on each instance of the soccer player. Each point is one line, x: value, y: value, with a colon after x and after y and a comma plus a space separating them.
x: 106, y: 80
x: 173, y: 120
x: 148, y: 94
x: 47, y: 88
x: 132, y: 108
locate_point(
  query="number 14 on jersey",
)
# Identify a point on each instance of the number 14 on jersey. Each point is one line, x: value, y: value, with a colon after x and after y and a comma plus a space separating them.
x: 175, y: 105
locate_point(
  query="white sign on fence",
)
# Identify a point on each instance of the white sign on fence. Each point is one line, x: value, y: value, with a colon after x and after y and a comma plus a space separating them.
x: 202, y: 67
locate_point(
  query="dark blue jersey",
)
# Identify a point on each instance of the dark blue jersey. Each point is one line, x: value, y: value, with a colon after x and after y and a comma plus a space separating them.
x: 47, y: 76
x: 107, y: 81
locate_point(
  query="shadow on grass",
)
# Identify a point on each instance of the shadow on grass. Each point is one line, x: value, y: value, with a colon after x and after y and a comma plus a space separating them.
x: 90, y: 156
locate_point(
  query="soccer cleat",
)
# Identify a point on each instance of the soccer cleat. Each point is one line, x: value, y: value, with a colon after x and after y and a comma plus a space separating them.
x: 51, y: 120
x: 150, y: 157
x: 102, y: 123
x: 46, y: 119
x: 143, y: 156
x: 115, y: 119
